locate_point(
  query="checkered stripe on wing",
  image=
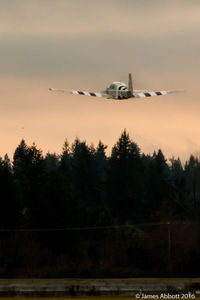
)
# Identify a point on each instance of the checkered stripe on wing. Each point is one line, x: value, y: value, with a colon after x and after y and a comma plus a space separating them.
x: 87, y: 93
x: 149, y: 94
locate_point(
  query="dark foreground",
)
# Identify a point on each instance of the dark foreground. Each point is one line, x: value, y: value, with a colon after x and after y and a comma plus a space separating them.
x: 185, y: 288
x: 69, y: 298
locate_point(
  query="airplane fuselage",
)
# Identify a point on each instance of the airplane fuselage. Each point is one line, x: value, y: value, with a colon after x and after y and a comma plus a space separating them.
x: 118, y: 90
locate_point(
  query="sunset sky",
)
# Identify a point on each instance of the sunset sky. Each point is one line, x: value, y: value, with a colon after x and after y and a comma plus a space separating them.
x: 76, y: 44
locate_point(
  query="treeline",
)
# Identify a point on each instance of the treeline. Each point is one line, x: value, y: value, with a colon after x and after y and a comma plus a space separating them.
x: 84, y: 214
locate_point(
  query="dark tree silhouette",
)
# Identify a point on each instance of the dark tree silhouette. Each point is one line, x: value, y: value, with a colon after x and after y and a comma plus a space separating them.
x: 9, y: 206
x: 124, y: 179
x: 158, y: 189
x: 51, y: 162
x: 151, y: 203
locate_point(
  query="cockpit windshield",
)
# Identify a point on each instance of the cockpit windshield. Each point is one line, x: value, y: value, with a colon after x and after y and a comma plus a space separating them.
x: 112, y: 86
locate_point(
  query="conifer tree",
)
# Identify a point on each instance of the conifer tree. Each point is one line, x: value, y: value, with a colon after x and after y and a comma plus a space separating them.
x: 158, y: 182
x: 9, y: 207
x: 124, y: 191
x: 51, y: 161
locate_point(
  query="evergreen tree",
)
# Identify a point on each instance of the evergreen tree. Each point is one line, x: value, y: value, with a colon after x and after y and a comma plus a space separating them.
x: 20, y: 172
x: 158, y: 189
x: 124, y: 179
x: 83, y: 180
x: 28, y: 167
x: 100, y: 160
x: 65, y: 157
x: 51, y: 162
x: 178, y: 183
x: 192, y: 175
x: 9, y: 208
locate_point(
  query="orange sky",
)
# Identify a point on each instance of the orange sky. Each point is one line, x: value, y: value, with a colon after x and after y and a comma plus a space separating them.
x: 86, y: 45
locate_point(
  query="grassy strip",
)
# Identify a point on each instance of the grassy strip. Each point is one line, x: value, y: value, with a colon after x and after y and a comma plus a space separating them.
x: 79, y: 298
x: 93, y: 281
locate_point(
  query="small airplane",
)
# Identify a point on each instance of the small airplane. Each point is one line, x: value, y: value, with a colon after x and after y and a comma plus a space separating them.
x: 119, y: 91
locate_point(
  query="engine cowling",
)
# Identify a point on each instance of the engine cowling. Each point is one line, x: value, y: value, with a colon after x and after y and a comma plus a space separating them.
x: 119, y: 90
x: 122, y: 91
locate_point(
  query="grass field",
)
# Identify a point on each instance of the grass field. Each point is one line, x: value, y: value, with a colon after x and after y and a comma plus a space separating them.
x: 90, y: 281
x: 78, y: 298
x: 97, y: 281
x: 69, y: 298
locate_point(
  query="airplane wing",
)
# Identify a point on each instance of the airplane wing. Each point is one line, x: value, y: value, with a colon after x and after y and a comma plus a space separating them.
x: 144, y: 94
x: 100, y: 95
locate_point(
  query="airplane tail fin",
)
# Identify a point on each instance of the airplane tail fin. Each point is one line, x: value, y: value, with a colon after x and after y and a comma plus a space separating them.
x: 130, y: 83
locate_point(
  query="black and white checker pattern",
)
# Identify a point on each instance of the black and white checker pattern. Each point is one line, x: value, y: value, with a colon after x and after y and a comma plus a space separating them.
x: 87, y: 94
x: 79, y: 92
x: 149, y: 94
x: 118, y: 96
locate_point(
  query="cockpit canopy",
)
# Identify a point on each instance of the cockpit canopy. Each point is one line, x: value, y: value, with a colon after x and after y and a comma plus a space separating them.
x: 115, y: 85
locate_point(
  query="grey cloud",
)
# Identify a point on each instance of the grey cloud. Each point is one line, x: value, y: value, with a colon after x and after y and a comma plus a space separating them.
x: 67, y: 17
x: 51, y: 58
